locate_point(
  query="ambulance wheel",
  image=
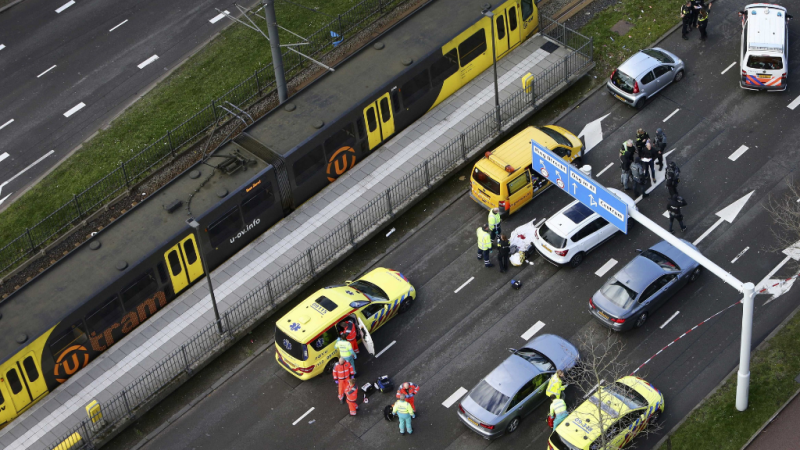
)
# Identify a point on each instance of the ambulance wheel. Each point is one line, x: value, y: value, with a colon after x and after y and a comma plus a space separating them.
x: 655, y: 417
x: 512, y: 427
x: 578, y: 162
x: 406, y: 305
x: 679, y: 76
x: 329, y: 366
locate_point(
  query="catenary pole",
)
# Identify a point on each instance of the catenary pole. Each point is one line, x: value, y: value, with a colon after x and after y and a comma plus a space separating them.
x: 275, y: 46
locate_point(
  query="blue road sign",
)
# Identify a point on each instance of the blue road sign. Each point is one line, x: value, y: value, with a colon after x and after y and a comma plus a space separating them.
x: 578, y: 185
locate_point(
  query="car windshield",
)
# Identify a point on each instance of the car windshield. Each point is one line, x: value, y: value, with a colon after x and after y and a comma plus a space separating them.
x: 489, y: 398
x: 374, y: 293
x: 627, y: 395
x: 488, y: 183
x: 621, y: 80
x: 293, y: 348
x: 556, y: 136
x: 659, y: 55
x: 618, y: 293
x: 660, y: 259
x: 765, y: 62
x: 538, y: 360
x: 551, y: 237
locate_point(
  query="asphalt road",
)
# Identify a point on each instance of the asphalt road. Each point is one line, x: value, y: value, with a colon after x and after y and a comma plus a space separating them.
x: 450, y: 340
x: 87, y: 54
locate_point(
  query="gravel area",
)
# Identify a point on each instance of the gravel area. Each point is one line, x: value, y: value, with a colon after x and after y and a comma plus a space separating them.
x: 551, y: 7
x: 585, y: 15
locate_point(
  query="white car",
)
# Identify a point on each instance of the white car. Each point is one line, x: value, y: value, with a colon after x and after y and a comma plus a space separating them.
x: 570, y: 234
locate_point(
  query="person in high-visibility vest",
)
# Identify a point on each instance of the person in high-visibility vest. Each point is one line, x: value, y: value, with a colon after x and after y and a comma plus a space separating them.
x: 352, y: 397
x: 494, y: 223
x: 346, y: 352
x: 556, y: 385
x: 342, y: 372
x: 405, y: 412
x: 409, y: 391
x: 350, y: 333
x: 484, y: 245
x: 558, y: 410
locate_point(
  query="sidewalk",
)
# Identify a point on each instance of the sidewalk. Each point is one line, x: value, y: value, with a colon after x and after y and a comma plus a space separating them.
x: 48, y: 421
x: 782, y: 431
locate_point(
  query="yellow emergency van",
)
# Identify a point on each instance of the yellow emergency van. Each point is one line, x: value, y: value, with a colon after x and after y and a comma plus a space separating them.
x: 503, y: 177
x: 305, y: 337
x: 624, y: 407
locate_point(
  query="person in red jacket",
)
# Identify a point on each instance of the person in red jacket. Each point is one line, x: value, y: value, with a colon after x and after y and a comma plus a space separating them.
x: 342, y: 371
x: 409, y: 390
x: 350, y: 333
x: 352, y: 397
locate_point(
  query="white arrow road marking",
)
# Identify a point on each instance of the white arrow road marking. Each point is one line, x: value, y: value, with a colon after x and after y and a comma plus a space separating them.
x: 118, y: 25
x: 726, y: 215
x: 740, y: 255
x: 23, y: 171
x: 463, y: 285
x: 739, y: 152
x: 387, y: 348
x: 795, y: 103
x: 777, y: 288
x: 666, y: 214
x: 219, y: 17
x: 48, y: 70
x: 728, y: 68
x: 65, y: 6
x: 792, y: 252
x: 592, y: 133
x: 669, y: 320
x: 74, y: 109
x: 533, y: 330
x: 303, y: 416
x: 673, y: 113
x: 147, y: 61
x: 606, y: 267
x: 604, y: 170
x: 6, y: 124
x: 454, y: 398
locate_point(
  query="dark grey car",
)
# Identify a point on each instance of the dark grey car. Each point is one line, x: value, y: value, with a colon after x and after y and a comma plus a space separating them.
x: 516, y: 387
x: 628, y: 298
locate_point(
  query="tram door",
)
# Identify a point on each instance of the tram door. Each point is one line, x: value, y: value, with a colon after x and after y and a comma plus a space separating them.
x: 379, y: 119
x: 184, y: 263
x: 23, y: 382
x: 506, y: 29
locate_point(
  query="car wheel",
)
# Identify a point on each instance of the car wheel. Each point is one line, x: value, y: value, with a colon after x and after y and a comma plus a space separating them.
x: 406, y: 305
x: 329, y: 366
x: 695, y: 274
x: 578, y: 162
x: 576, y: 260
x: 679, y: 76
x: 512, y: 427
x: 654, y: 418
x: 640, y: 104
x: 641, y: 320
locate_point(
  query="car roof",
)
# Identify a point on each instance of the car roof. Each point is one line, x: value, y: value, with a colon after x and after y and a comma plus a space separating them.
x: 509, y: 377
x: 670, y: 251
x: 306, y: 320
x: 638, y: 64
x: 639, y: 273
x: 569, y: 219
x: 516, y: 152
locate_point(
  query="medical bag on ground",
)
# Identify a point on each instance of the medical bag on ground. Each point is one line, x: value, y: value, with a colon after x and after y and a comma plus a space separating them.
x: 384, y: 384
x: 516, y: 284
x: 387, y: 413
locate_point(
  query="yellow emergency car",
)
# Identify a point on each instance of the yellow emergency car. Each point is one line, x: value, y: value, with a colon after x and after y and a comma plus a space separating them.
x: 503, y: 177
x: 305, y: 337
x: 627, y: 406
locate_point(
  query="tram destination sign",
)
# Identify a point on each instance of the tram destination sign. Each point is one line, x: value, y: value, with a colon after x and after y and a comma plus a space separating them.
x: 584, y: 189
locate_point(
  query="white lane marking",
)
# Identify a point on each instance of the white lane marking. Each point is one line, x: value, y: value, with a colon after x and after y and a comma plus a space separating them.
x: 6, y: 124
x: 48, y: 70
x: 454, y: 398
x: 2, y: 46
x: 673, y: 113
x: 74, y: 109
x: 3, y: 157
x: 65, y: 6
x: 669, y: 320
x: 740, y: 255
x: 219, y: 17
x: 303, y: 416
x: 118, y: 25
x: 604, y: 170
x: 728, y: 68
x: 795, y: 103
x: 739, y: 152
x: 594, y: 388
x: 463, y: 285
x: 533, y: 330
x: 606, y: 267
x: 666, y: 214
x: 387, y: 348
x: 4, y: 198
x: 148, y: 61
x: 41, y: 158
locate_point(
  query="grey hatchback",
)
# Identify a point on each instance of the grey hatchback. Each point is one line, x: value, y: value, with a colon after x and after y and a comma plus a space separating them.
x: 628, y: 298
x: 643, y: 75
x: 516, y: 387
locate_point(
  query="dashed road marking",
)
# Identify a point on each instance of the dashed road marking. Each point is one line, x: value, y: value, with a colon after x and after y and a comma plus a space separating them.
x: 739, y: 152
x: 728, y: 68
x: 74, y: 109
x: 673, y: 113
x: 604, y: 170
x: 6, y: 124
x: 463, y: 285
x: 118, y: 25
x: 2, y: 46
x: 219, y: 17
x: 148, y: 61
x: 740, y: 255
x: 795, y: 103
x: 65, y: 6
x: 386, y: 348
x: 3, y: 156
x: 48, y: 70
x: 454, y: 398
x: 606, y: 267
x: 533, y: 330
x: 303, y: 416
x: 669, y: 320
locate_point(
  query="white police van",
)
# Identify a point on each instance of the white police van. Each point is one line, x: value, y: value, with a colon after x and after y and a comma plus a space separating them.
x: 765, y: 46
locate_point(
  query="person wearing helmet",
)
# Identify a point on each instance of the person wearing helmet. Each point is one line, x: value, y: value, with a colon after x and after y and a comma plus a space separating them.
x: 405, y: 412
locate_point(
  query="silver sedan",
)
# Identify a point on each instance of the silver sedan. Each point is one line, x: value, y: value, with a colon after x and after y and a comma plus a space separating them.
x: 628, y: 298
x: 516, y: 387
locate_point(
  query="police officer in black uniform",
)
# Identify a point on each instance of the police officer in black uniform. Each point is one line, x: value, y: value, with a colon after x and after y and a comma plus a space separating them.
x: 702, y: 22
x: 686, y: 15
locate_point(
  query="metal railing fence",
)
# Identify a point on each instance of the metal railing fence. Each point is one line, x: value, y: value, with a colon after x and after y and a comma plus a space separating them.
x: 141, y: 164
x: 253, y: 307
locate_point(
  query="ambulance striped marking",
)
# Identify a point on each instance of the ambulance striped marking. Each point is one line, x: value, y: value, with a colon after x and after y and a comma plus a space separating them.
x: 454, y: 398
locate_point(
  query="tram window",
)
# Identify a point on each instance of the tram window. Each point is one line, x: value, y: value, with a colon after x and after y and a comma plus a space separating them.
x: 13, y: 381
x: 501, y: 27
x: 386, y: 112
x: 396, y: 100
x: 362, y: 131
x: 30, y: 369
x: 76, y: 335
x: 372, y: 121
x: 258, y: 202
x: 306, y: 167
x: 227, y: 226
x: 139, y: 291
x: 444, y: 66
x: 162, y: 272
x: 105, y: 316
x: 415, y: 88
x: 472, y: 47
x: 188, y: 250
x: 527, y: 9
x: 345, y: 137
x: 512, y: 18
x: 174, y: 262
